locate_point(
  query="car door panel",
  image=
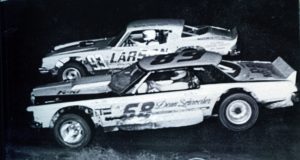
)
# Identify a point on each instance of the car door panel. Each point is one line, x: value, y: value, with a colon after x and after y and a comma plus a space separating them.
x: 162, y: 109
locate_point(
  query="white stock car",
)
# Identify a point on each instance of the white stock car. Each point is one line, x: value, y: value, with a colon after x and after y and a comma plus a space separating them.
x: 163, y: 91
x: 97, y: 56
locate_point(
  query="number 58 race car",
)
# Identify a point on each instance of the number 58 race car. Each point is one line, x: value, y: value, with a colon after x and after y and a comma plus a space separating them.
x: 140, y: 38
x: 171, y: 90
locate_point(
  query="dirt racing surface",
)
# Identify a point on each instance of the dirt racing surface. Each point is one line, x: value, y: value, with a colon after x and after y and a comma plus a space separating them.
x: 267, y: 29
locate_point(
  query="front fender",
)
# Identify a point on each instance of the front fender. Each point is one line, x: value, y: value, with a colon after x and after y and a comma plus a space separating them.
x: 61, y: 62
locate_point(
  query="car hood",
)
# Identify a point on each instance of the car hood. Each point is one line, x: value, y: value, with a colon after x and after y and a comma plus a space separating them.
x: 80, y: 46
x: 83, y: 86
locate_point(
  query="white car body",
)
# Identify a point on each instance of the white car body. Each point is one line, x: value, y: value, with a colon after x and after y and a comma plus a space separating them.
x: 183, y: 108
x: 108, y: 54
x: 271, y: 84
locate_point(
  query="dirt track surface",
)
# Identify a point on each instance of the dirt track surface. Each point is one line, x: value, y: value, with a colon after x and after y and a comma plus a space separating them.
x: 275, y: 136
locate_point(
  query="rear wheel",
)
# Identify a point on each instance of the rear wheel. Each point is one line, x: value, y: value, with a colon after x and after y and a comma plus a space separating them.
x: 238, y: 112
x: 71, y: 71
x: 72, y: 131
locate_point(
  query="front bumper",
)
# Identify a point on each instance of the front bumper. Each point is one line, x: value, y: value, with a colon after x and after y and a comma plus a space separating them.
x: 53, y: 71
x: 32, y: 123
x: 44, y: 70
x: 36, y: 125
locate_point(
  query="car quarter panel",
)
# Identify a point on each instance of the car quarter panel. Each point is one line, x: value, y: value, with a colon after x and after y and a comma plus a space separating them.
x: 214, y: 44
x: 273, y: 94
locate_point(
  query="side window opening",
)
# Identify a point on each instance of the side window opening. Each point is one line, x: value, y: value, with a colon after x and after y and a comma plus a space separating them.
x: 171, y: 80
x: 210, y: 74
x: 146, y: 38
x: 162, y: 36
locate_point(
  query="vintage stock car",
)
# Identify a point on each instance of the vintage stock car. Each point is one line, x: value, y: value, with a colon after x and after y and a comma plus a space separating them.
x: 162, y: 91
x: 140, y: 38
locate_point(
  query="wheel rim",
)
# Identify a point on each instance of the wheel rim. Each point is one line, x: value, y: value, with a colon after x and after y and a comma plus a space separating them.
x: 71, y: 131
x: 238, y: 112
x: 71, y: 74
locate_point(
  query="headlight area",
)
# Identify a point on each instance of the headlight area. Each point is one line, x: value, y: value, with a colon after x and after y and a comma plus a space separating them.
x: 43, y: 70
x: 32, y: 98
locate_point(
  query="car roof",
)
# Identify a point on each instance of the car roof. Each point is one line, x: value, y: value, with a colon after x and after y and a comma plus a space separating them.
x: 167, y: 24
x: 180, y: 59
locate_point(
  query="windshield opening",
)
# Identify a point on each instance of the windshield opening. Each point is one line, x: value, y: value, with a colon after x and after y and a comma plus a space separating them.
x: 122, y: 80
x: 116, y: 39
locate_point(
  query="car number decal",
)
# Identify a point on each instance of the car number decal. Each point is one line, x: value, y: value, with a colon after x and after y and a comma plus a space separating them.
x: 132, y: 109
x: 168, y: 58
x: 97, y: 62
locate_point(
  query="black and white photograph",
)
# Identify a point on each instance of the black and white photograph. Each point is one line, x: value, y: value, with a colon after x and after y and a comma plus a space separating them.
x: 150, y: 79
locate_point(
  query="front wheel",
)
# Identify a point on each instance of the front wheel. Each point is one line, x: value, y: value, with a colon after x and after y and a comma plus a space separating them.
x: 71, y: 71
x: 238, y: 112
x: 72, y: 131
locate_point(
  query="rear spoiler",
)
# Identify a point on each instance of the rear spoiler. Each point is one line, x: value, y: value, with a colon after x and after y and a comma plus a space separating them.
x: 284, y: 69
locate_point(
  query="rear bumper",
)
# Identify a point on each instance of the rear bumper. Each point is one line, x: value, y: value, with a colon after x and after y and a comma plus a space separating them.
x: 234, y: 52
x: 295, y: 97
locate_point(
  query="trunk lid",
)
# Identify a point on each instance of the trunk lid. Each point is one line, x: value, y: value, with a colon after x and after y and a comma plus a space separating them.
x: 266, y: 71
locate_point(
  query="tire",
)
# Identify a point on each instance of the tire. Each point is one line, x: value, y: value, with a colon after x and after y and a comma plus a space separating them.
x: 72, y: 131
x: 71, y: 71
x: 238, y: 112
